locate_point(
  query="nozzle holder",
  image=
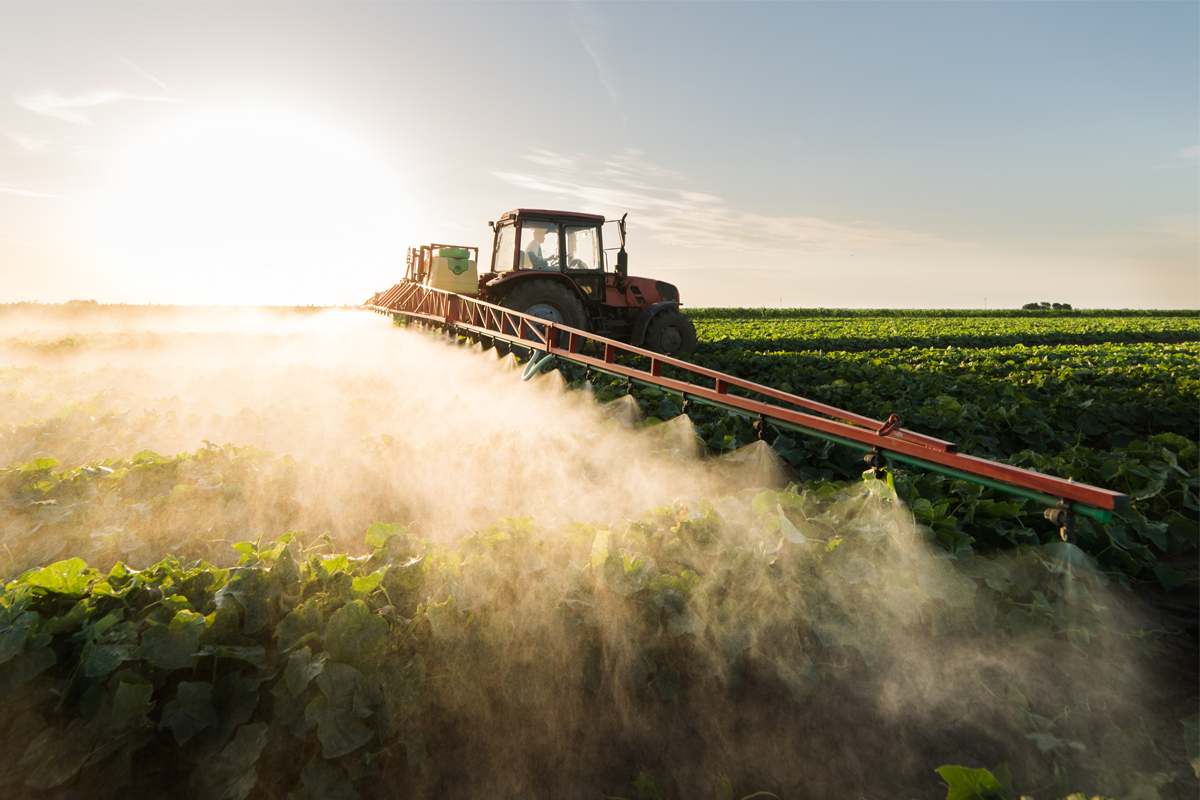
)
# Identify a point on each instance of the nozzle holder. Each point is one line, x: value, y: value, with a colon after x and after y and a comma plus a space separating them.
x: 687, y: 405
x: 876, y: 461
x: 1064, y: 518
x: 760, y: 428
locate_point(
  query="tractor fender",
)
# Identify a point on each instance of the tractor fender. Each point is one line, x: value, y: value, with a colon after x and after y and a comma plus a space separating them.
x: 643, y: 321
x: 496, y: 290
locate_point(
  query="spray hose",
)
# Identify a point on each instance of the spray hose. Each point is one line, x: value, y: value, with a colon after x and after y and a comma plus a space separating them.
x: 536, y: 361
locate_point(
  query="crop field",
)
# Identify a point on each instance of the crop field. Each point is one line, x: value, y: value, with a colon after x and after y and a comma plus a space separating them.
x: 303, y: 553
x: 734, y: 330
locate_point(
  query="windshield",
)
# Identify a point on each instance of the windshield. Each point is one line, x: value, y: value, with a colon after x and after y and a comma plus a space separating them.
x: 583, y: 249
x: 539, y: 245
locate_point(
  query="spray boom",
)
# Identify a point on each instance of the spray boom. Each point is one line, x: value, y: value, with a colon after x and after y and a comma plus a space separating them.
x: 478, y: 321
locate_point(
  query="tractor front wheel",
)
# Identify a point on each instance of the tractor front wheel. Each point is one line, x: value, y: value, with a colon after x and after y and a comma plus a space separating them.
x: 549, y: 300
x: 671, y: 333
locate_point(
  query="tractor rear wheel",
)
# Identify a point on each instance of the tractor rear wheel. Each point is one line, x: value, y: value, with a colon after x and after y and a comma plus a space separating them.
x: 670, y: 333
x: 548, y: 300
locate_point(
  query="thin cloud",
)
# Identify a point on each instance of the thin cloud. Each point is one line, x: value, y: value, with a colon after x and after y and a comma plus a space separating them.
x: 143, y: 72
x: 52, y: 104
x: 686, y: 218
x: 1187, y: 157
x: 41, y: 144
x: 1180, y: 228
x: 10, y: 189
x: 18, y: 241
x: 588, y: 34
x: 545, y: 158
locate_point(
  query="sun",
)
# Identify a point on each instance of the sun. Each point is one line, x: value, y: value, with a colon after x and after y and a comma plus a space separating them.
x: 252, y: 205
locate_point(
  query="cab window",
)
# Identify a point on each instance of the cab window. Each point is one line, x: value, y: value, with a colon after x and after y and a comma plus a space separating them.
x: 583, y: 249
x: 506, y: 240
x: 539, y: 245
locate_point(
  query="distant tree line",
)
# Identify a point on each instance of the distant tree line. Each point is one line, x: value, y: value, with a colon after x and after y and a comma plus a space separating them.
x: 1046, y: 306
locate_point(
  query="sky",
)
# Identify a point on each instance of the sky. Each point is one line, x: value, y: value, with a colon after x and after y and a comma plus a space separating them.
x: 816, y: 154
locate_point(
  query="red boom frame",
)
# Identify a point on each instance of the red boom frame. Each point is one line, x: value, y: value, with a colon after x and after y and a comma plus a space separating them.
x: 462, y: 315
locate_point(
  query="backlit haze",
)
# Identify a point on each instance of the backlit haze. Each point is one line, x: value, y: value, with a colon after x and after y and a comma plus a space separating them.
x: 805, y: 154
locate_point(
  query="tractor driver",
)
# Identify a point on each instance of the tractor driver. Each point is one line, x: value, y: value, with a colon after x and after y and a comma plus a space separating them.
x: 534, y: 257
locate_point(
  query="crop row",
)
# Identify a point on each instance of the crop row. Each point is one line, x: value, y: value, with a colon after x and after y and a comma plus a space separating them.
x: 920, y: 313
x: 998, y: 401
x: 1119, y: 416
x: 332, y: 673
x: 735, y: 333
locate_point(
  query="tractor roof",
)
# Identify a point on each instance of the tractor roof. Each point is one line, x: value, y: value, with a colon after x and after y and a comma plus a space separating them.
x: 574, y: 216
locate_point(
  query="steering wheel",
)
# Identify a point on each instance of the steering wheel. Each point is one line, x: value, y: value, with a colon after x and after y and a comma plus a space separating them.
x: 576, y: 263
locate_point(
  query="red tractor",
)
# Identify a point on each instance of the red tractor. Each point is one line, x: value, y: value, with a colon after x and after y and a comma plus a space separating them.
x: 553, y: 264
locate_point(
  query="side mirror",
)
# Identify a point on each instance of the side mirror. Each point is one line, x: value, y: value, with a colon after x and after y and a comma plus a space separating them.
x: 491, y: 224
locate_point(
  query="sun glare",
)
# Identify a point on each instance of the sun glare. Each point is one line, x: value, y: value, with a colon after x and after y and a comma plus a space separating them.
x: 254, y: 206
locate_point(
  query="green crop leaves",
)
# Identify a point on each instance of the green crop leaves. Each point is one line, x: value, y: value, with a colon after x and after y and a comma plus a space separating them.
x: 66, y: 577
x: 355, y: 635
x: 259, y: 659
x: 701, y: 587
x: 347, y: 698
x: 721, y: 330
x: 231, y: 774
x: 191, y: 711
x: 172, y: 646
x: 55, y: 756
x: 977, y: 784
x: 321, y: 781
x: 378, y: 534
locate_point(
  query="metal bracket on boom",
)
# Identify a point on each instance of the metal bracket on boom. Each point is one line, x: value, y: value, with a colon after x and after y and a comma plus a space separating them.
x: 760, y: 427
x: 893, y: 422
x: 1064, y: 518
x: 876, y: 462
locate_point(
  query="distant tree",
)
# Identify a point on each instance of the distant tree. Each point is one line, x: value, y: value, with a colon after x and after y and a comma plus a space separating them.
x: 1066, y: 306
x: 1044, y: 305
x: 1030, y: 307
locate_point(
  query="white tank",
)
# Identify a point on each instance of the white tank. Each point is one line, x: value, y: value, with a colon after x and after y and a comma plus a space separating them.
x: 458, y: 275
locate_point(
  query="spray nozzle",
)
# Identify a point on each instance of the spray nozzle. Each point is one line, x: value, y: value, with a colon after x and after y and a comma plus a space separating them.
x: 876, y: 462
x: 1064, y: 518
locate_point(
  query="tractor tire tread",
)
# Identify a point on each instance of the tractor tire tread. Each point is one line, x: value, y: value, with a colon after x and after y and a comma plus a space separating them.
x: 662, y: 322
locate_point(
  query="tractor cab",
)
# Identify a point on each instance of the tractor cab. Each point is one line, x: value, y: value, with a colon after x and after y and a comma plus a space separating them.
x: 570, y: 244
x: 553, y: 264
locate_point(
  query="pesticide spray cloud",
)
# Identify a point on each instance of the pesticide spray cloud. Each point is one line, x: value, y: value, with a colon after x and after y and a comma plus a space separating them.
x: 389, y: 426
x: 704, y: 627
